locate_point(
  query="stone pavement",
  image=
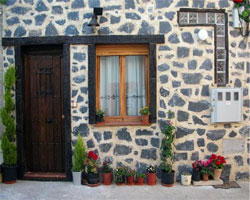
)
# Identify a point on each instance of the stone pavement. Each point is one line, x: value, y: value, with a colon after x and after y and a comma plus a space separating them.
x: 34, y: 190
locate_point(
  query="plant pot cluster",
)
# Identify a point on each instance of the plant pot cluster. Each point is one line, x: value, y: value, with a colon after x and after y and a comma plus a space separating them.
x: 210, y: 169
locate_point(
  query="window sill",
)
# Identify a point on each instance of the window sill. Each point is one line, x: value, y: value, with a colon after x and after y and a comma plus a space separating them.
x: 101, y: 124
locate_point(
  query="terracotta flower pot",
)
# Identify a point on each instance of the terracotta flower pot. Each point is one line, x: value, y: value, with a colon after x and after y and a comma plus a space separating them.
x: 151, y: 178
x: 217, y: 174
x: 107, y: 178
x: 130, y: 180
x: 205, y: 177
x: 144, y: 119
x: 139, y: 181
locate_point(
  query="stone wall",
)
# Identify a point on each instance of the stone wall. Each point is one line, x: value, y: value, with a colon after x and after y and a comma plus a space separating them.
x: 185, y: 76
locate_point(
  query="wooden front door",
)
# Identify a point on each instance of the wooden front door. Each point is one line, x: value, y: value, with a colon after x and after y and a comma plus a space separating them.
x: 44, y: 119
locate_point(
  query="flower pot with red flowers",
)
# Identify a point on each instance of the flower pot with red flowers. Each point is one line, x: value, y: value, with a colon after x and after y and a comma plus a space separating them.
x: 218, y: 163
x: 144, y: 115
x: 130, y: 176
x: 206, y: 170
x: 91, y: 168
x: 196, y: 174
x: 140, y: 177
x: 106, y: 173
x: 120, y: 176
x: 151, y: 175
x: 167, y: 153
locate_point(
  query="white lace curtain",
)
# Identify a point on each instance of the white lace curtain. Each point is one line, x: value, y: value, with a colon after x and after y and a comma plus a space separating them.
x: 110, y: 85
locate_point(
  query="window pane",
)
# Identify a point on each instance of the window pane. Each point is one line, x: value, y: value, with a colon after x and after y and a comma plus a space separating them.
x: 236, y: 96
x: 135, y: 84
x: 220, y: 97
x: 110, y: 85
x: 228, y: 96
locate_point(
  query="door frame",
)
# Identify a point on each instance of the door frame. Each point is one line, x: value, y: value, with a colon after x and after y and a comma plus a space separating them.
x: 20, y: 108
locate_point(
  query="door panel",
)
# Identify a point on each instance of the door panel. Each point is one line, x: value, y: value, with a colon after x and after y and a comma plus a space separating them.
x: 44, y: 133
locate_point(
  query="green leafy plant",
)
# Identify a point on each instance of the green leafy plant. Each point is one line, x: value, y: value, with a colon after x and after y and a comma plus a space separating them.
x: 106, y: 167
x: 100, y: 113
x: 79, y: 155
x: 3, y: 1
x: 245, y: 14
x: 140, y: 175
x: 186, y: 173
x: 129, y: 172
x: 8, y: 144
x: 144, y: 111
x: 120, y: 174
x: 167, y: 155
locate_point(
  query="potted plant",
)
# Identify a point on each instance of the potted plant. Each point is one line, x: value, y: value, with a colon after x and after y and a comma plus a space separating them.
x: 151, y: 175
x: 167, y: 154
x: 140, y: 178
x: 206, y: 170
x: 99, y: 116
x: 186, y: 178
x: 120, y: 176
x: 196, y: 174
x: 130, y: 176
x: 218, y: 163
x: 242, y: 10
x: 78, y: 161
x: 145, y: 115
x: 8, y: 143
x: 106, y: 173
x: 91, y: 168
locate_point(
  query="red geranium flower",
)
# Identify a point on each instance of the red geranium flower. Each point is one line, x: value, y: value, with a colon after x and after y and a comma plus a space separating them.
x: 218, y: 162
x: 237, y: 1
x: 213, y: 157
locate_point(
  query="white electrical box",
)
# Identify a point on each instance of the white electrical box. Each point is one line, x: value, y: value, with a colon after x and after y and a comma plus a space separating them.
x: 226, y: 105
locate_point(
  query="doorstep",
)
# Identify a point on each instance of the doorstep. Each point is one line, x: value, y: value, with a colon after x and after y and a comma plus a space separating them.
x: 208, y: 183
x: 44, y: 175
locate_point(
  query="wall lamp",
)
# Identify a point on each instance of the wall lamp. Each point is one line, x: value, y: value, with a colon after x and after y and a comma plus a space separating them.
x: 93, y: 22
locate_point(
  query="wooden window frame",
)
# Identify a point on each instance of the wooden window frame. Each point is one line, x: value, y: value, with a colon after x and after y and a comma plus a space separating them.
x: 122, y: 51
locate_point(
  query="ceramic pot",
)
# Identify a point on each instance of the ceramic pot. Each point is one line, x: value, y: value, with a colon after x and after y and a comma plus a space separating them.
x: 9, y: 174
x: 107, y: 178
x: 77, y: 177
x: 196, y: 175
x: 167, y: 179
x: 205, y: 177
x: 93, y: 178
x: 186, y: 179
x: 217, y: 174
x: 99, y: 118
x: 151, y: 178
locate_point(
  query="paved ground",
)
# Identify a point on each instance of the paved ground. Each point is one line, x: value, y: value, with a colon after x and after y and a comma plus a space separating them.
x: 31, y: 190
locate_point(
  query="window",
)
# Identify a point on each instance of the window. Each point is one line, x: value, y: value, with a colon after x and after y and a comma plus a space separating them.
x: 122, y: 81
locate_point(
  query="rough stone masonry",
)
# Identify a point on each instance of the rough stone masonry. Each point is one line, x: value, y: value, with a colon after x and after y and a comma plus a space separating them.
x: 185, y: 75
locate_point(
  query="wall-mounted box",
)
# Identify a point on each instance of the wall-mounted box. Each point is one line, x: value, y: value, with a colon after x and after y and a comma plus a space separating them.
x: 226, y: 105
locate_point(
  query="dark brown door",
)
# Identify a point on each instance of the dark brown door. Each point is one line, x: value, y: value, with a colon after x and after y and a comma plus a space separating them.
x: 44, y: 132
